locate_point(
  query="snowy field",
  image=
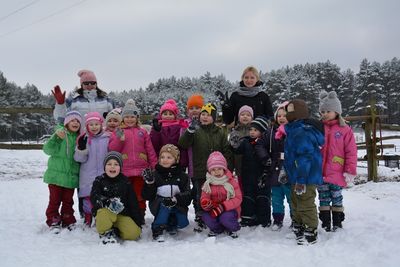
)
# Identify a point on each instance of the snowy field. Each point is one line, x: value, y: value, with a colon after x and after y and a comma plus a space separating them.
x: 369, y: 238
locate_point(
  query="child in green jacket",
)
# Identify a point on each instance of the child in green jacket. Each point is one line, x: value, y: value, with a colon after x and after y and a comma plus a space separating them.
x: 62, y: 174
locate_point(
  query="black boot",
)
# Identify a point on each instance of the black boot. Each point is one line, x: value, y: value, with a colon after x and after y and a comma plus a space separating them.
x: 298, y: 230
x: 158, y: 234
x: 337, y: 218
x: 311, y: 235
x: 325, y: 217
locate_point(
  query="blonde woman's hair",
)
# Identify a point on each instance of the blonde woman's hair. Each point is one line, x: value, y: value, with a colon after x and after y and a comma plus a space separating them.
x: 253, y: 70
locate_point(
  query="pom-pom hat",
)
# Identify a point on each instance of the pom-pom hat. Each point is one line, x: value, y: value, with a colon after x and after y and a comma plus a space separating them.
x: 216, y: 160
x: 87, y: 76
x: 130, y: 108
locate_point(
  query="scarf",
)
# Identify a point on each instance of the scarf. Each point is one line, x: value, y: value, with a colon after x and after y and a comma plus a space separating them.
x: 90, y: 94
x: 230, y: 191
x: 280, y: 133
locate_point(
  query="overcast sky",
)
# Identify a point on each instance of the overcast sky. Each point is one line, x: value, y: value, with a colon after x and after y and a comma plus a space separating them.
x: 130, y: 43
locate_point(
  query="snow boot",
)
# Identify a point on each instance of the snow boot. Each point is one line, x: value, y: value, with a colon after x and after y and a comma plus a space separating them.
x: 298, y: 230
x: 325, y: 217
x: 337, y: 217
x: 158, y: 234
x: 276, y: 226
x: 247, y: 222
x: 88, y: 219
x: 55, y: 228
x: 234, y: 235
x: 310, y: 235
x: 109, y: 237
x: 200, y: 225
x: 211, y: 234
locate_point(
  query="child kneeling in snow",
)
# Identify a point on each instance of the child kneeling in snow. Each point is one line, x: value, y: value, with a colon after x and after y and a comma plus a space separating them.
x: 115, y: 205
x: 168, y: 191
x: 220, y: 198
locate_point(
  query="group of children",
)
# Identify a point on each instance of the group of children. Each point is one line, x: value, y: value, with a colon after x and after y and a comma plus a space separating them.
x: 118, y: 166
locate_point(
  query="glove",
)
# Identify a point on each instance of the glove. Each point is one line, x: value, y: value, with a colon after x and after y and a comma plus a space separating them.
x: 262, y: 180
x: 82, y: 142
x: 148, y: 176
x: 282, y: 177
x: 115, y: 205
x: 223, y: 99
x: 156, y: 125
x: 206, y: 204
x: 120, y: 134
x: 216, y: 211
x: 349, y: 178
x: 169, y: 202
x: 235, y: 139
x: 58, y: 95
x: 194, y: 125
x: 300, y: 189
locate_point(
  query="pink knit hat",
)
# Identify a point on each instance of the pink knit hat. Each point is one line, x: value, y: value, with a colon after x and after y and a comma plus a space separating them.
x: 170, y: 105
x: 93, y: 116
x: 216, y: 160
x: 246, y: 108
x: 87, y: 76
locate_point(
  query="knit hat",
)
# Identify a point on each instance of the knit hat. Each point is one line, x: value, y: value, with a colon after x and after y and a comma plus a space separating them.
x: 170, y: 105
x: 113, y: 155
x: 173, y: 150
x: 280, y: 106
x: 300, y: 110
x: 260, y: 123
x: 246, y: 108
x: 211, y: 109
x: 130, y: 108
x: 73, y: 114
x: 195, y: 101
x: 92, y: 116
x: 87, y: 76
x: 114, y: 114
x: 330, y: 102
x: 216, y: 160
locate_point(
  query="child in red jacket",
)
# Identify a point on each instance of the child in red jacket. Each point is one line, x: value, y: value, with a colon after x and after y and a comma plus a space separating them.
x: 220, y: 198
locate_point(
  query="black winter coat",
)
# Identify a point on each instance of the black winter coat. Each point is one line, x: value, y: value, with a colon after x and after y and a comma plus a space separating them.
x: 168, y: 177
x: 105, y: 188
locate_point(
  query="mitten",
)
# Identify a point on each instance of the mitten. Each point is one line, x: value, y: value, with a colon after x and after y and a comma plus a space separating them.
x: 216, y: 211
x: 115, y: 205
x: 120, y: 134
x: 148, y: 176
x: 194, y: 125
x: 282, y: 177
x: 235, y: 139
x: 156, y: 125
x: 206, y: 204
x: 223, y: 98
x: 349, y: 178
x: 169, y: 202
x: 300, y: 189
x: 58, y: 95
x: 82, y: 142
x: 262, y: 180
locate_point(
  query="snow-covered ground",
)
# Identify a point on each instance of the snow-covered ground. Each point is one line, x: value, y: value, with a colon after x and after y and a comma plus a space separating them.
x: 369, y: 238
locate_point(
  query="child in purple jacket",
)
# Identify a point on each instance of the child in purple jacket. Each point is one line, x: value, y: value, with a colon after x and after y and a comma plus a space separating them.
x: 91, y: 150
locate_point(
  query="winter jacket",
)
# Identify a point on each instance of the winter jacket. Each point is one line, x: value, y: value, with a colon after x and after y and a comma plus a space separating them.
x: 339, y: 153
x: 87, y: 101
x: 260, y: 103
x: 169, y: 135
x: 269, y: 148
x: 62, y: 169
x: 137, y: 150
x: 303, y: 160
x: 218, y: 195
x: 91, y: 160
x: 105, y: 188
x: 169, y: 182
x: 204, y: 141
x: 242, y: 130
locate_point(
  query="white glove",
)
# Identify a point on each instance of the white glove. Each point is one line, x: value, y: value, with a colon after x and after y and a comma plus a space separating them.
x: 349, y: 178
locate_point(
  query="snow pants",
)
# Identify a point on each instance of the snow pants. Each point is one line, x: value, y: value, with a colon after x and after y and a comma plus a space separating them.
x: 163, y: 218
x: 279, y: 192
x: 137, y: 185
x: 304, y: 208
x: 227, y: 221
x: 330, y: 193
x: 128, y: 229
x: 60, y: 196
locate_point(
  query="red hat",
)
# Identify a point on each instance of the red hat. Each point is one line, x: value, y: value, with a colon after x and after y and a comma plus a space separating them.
x: 87, y: 76
x: 216, y: 160
x: 170, y: 105
x: 195, y: 101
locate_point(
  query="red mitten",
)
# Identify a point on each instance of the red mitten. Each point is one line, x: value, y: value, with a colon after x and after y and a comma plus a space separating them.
x: 58, y: 95
x: 206, y: 204
x: 215, y: 212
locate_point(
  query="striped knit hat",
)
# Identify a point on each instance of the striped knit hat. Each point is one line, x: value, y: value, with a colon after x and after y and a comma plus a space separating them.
x: 260, y: 123
x: 113, y: 155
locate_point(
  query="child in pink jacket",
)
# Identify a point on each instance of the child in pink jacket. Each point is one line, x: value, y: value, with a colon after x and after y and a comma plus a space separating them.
x: 339, y: 163
x: 134, y: 143
x: 220, y: 198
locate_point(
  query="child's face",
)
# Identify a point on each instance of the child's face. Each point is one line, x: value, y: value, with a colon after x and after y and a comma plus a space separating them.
x: 328, y: 115
x: 194, y: 111
x: 112, y: 168
x: 254, y: 133
x: 73, y: 126
x: 130, y: 120
x: 281, y: 117
x: 205, y: 118
x: 245, y: 117
x: 249, y: 79
x: 94, y: 127
x: 166, y: 159
x: 167, y: 115
x: 112, y: 124
x: 217, y: 172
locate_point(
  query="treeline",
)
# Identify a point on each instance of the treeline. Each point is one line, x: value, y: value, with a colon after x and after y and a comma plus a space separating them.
x: 380, y: 81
